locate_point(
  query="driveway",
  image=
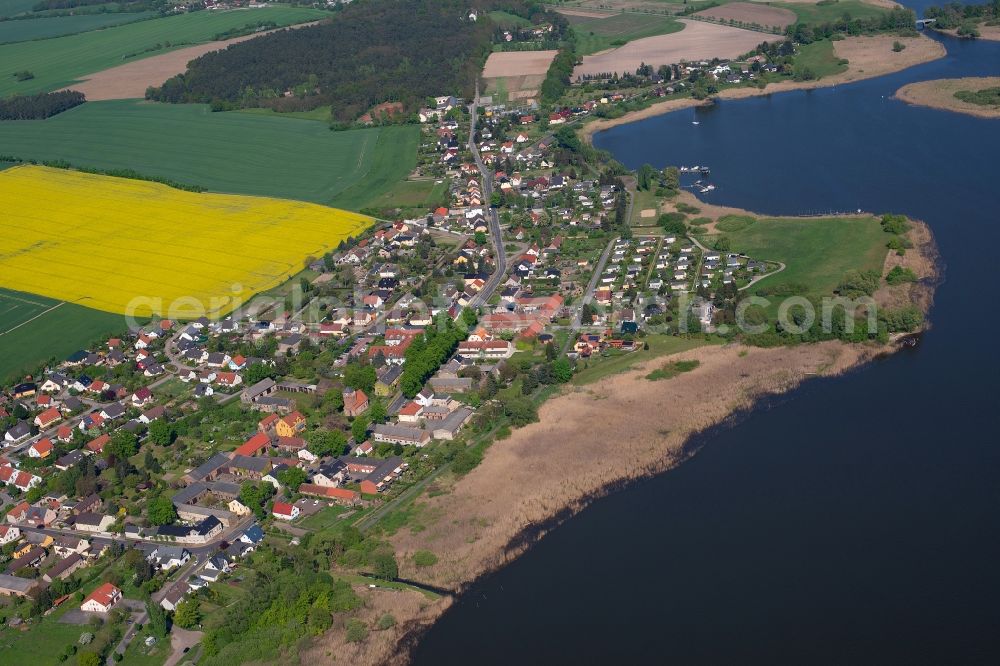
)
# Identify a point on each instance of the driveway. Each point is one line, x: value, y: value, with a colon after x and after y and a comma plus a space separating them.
x: 180, y: 639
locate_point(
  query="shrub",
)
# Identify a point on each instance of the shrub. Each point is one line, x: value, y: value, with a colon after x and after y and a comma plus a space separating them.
x: 858, y: 283
x: 733, y: 223
x: 385, y: 622
x: 898, y: 46
x: 357, y: 630
x: 673, y: 222
x: 899, y: 275
x: 895, y: 224
x: 424, y: 558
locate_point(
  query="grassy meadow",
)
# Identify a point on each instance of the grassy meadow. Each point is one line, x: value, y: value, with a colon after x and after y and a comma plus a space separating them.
x: 46, y: 27
x: 130, y: 246
x: 60, y: 61
x: 598, y: 34
x: 820, y: 59
x: 241, y: 153
x: 817, y: 252
x: 33, y: 329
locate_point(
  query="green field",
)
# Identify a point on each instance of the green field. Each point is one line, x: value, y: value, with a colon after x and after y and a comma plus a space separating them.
x: 390, y: 160
x: 819, y: 59
x: 226, y: 152
x: 817, y: 13
x: 411, y: 193
x: 507, y: 20
x: 60, y: 61
x: 33, y: 329
x: 598, y: 34
x: 57, y: 26
x: 817, y: 252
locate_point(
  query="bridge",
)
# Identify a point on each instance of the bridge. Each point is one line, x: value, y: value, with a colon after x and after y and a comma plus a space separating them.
x: 923, y: 23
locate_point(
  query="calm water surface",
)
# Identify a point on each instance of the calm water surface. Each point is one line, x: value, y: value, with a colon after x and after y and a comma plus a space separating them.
x: 855, y: 520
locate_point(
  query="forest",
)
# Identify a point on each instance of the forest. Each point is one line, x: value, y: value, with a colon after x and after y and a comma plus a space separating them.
x: 371, y: 52
x: 39, y: 107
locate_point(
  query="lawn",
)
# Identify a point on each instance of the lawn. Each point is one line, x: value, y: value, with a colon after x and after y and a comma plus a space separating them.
x: 56, y: 334
x: 43, y: 642
x: 817, y: 252
x: 598, y: 34
x: 834, y: 11
x: 820, y: 59
x: 324, y: 518
x: 56, y: 26
x: 225, y: 152
x: 60, y: 61
x: 130, y: 246
x: 601, y: 367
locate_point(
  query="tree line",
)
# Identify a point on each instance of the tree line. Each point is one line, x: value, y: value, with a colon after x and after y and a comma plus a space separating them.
x: 40, y: 106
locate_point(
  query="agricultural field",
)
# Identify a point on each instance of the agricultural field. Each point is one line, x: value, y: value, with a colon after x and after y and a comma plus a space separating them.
x: 595, y: 34
x: 817, y: 252
x: 751, y: 13
x: 412, y: 193
x: 234, y: 152
x: 517, y: 74
x: 57, y: 26
x: 34, y: 329
x: 134, y: 247
x: 697, y: 41
x: 808, y: 12
x: 59, y: 62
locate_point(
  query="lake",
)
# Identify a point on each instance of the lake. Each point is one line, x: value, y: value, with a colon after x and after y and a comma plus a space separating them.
x: 852, y: 521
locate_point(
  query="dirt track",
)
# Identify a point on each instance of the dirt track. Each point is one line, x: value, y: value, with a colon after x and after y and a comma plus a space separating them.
x: 129, y: 81
x: 698, y: 40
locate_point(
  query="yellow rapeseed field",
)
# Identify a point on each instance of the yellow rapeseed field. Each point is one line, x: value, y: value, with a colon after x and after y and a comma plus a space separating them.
x: 105, y: 242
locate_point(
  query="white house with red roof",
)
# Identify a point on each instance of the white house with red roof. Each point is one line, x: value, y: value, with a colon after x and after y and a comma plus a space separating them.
x: 48, y: 417
x: 285, y: 511
x: 41, y: 449
x: 102, y: 600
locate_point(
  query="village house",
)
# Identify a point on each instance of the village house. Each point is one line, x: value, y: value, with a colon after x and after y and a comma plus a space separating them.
x: 355, y: 402
x: 291, y: 425
x: 102, y: 600
x: 285, y: 511
x: 41, y: 449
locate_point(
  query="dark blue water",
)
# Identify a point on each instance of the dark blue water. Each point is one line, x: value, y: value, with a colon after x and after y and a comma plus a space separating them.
x: 856, y: 520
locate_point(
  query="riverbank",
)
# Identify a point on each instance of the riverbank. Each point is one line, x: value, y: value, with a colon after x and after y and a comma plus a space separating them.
x: 940, y: 94
x: 987, y: 32
x: 867, y: 57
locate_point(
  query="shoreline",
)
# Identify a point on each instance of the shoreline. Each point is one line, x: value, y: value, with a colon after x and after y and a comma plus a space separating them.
x: 595, y: 439
x: 547, y: 472
x: 939, y: 94
x: 990, y: 33
x: 833, y: 359
x: 869, y: 62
